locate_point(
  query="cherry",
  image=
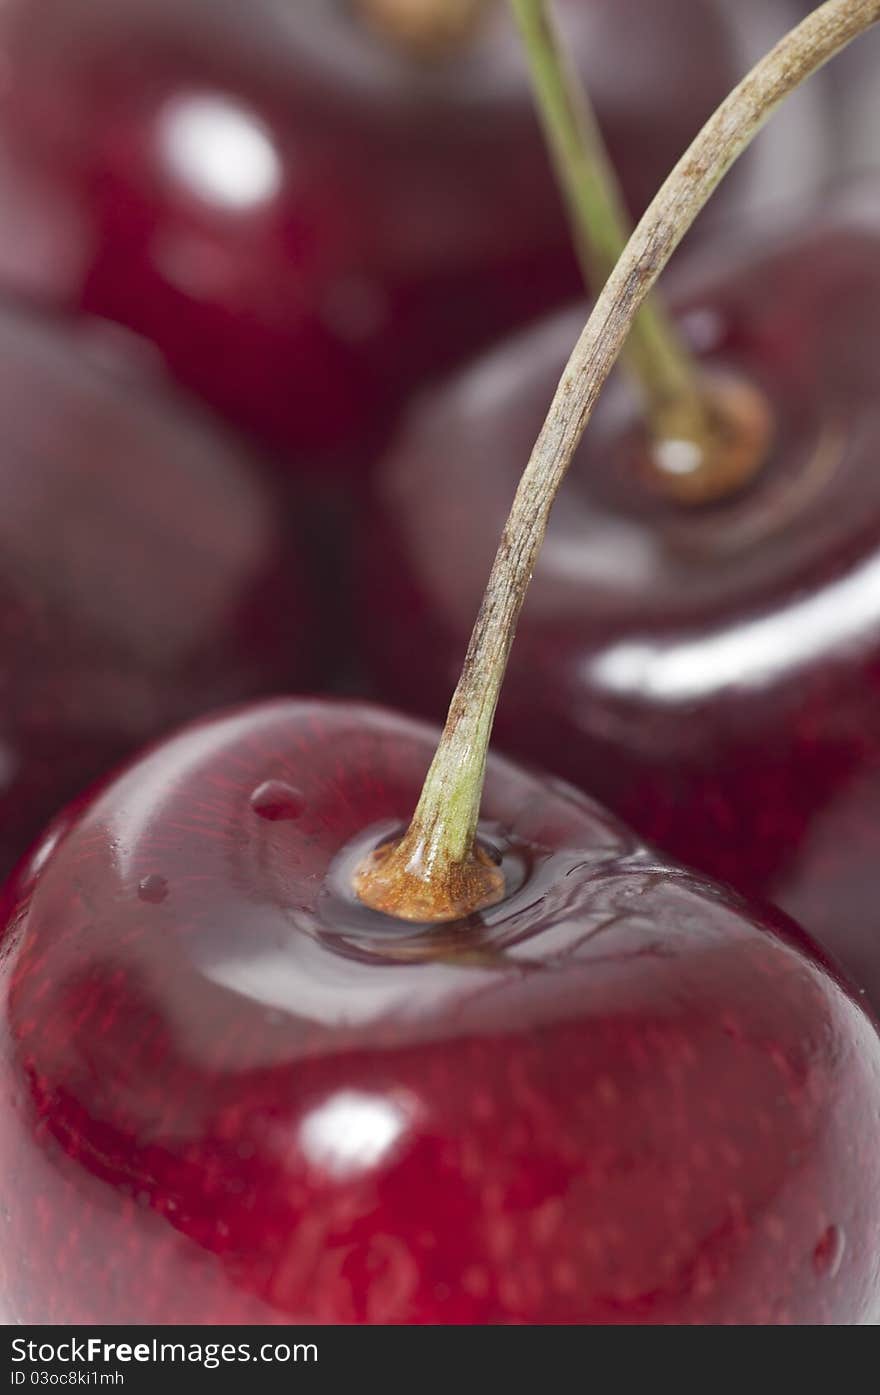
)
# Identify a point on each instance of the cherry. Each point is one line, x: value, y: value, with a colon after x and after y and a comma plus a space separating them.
x: 303, y: 218
x: 712, y: 674
x: 145, y: 575
x: 232, y: 1093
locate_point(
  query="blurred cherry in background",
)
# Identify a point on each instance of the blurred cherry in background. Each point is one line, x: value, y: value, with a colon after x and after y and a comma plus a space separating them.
x: 308, y: 217
x: 713, y: 673
x: 146, y: 572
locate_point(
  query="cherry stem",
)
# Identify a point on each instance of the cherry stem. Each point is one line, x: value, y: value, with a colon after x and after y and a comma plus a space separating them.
x: 661, y: 363
x: 438, y: 863
x: 425, y: 28
x: 706, y: 436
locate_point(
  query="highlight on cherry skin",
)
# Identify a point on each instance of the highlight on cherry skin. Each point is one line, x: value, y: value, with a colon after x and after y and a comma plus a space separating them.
x: 234, y: 1094
x: 711, y: 673
x: 146, y: 574
x: 307, y: 219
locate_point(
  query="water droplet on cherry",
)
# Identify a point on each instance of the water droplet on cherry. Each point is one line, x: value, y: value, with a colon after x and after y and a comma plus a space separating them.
x: 828, y: 1253
x: 153, y: 889
x: 275, y: 800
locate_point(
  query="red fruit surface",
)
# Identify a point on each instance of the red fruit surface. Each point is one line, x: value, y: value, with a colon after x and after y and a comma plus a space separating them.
x: 232, y: 1094
x: 145, y: 573
x: 712, y: 675
x: 303, y: 219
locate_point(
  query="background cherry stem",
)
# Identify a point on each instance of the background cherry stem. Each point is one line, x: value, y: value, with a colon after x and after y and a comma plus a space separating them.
x: 667, y: 377
x: 425, y: 28
x: 440, y: 841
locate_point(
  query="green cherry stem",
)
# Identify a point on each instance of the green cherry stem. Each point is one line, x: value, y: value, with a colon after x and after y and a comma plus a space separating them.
x: 705, y: 436
x: 660, y: 361
x: 438, y: 870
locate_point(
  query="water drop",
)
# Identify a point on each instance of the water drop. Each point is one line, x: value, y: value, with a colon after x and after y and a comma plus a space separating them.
x: 153, y: 889
x: 828, y: 1253
x: 275, y: 800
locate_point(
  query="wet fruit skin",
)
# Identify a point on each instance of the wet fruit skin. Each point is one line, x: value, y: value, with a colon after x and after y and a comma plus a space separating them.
x: 145, y: 575
x: 371, y: 218
x: 714, y: 677
x: 231, y: 1094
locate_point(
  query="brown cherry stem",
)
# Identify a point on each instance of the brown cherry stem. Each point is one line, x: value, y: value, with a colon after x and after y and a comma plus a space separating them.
x: 437, y: 871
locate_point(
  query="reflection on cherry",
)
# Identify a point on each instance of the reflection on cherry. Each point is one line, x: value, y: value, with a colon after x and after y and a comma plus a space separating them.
x: 712, y: 674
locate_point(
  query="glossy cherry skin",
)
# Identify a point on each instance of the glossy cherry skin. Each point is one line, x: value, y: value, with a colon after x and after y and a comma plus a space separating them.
x: 713, y: 675
x: 233, y: 1094
x: 304, y: 220
x: 146, y: 574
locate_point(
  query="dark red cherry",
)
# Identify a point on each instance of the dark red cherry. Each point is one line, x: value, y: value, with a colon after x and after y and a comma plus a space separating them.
x: 145, y: 572
x: 303, y: 218
x: 233, y: 1094
x: 713, y: 675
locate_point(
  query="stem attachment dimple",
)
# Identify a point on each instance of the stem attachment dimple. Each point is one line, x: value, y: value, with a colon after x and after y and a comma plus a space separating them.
x: 430, y: 865
x: 425, y: 29
x: 400, y: 880
x: 726, y: 454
